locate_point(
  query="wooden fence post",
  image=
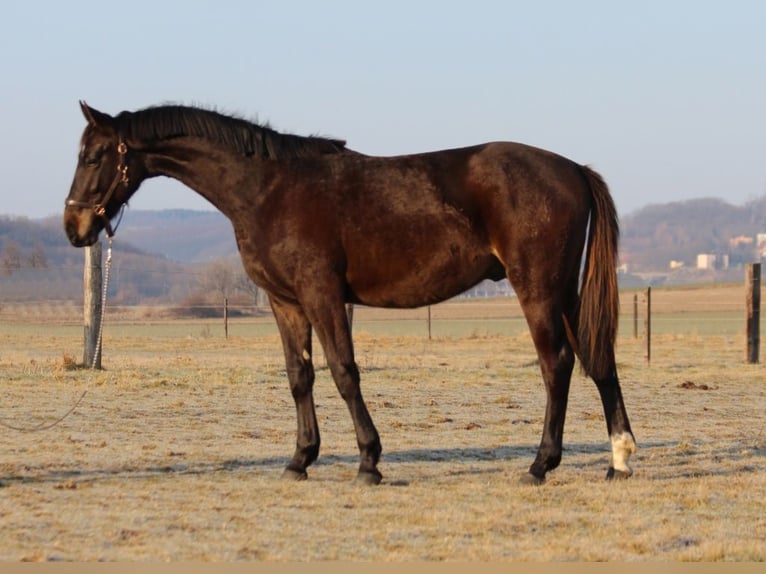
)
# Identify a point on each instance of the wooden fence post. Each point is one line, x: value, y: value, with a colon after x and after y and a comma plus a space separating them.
x: 648, y: 322
x: 92, y: 310
x: 225, y: 317
x: 753, y: 310
x: 635, y: 315
x: 429, y: 322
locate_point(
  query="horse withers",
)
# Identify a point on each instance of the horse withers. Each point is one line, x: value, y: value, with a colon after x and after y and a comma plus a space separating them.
x: 319, y: 225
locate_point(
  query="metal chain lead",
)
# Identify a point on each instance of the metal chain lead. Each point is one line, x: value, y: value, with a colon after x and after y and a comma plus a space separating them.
x: 104, y: 292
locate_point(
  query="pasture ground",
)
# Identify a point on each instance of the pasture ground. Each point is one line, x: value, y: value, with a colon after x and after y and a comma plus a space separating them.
x: 175, y: 452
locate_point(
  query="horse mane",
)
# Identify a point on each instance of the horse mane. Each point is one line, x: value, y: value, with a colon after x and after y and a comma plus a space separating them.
x: 248, y: 138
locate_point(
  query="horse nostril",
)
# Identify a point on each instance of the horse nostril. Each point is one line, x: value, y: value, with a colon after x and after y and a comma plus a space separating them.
x: 71, y: 232
x: 72, y: 237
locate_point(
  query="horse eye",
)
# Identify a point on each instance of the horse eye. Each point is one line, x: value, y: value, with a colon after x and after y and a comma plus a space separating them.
x: 92, y: 157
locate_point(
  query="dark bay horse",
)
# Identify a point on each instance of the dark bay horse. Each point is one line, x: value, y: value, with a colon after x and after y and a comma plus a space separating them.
x: 318, y: 225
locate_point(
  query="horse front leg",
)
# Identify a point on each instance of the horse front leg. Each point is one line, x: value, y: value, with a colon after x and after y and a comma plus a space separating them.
x: 331, y: 324
x: 295, y: 331
x: 346, y: 376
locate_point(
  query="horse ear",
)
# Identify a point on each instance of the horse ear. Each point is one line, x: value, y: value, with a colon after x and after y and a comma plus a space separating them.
x: 93, y: 116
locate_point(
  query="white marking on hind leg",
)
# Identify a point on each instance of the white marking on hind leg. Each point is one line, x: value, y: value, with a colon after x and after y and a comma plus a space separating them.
x: 623, y: 445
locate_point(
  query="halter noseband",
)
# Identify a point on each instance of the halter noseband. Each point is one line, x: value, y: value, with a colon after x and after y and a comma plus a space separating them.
x: 100, y: 208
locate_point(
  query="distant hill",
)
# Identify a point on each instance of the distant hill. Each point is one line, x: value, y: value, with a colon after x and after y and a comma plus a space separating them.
x: 657, y: 234
x: 180, y: 234
x: 37, y: 262
x: 46, y: 234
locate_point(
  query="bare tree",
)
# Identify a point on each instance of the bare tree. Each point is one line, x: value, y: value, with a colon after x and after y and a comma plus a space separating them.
x: 38, y: 259
x: 246, y: 285
x: 219, y: 278
x: 11, y: 258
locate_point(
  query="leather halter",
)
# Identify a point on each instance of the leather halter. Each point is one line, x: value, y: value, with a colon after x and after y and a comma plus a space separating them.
x: 100, y: 208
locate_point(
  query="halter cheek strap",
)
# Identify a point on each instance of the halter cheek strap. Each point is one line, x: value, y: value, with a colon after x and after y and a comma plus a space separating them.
x: 121, y: 178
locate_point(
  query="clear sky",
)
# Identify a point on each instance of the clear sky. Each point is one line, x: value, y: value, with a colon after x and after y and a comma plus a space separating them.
x: 667, y: 99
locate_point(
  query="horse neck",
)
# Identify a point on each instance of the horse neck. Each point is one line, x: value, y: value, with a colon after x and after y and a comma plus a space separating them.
x: 210, y: 170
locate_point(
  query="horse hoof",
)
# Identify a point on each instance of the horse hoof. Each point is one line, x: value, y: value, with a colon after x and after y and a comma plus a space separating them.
x: 532, y: 480
x: 613, y: 474
x: 368, y: 478
x: 294, y: 475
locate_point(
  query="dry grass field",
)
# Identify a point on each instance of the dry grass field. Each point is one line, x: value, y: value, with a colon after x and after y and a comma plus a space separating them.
x: 176, y: 449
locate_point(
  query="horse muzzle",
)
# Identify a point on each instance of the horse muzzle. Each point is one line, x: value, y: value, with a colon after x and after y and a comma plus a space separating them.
x: 81, y: 226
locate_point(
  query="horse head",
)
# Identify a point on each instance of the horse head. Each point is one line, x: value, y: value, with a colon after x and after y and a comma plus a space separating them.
x: 105, y: 178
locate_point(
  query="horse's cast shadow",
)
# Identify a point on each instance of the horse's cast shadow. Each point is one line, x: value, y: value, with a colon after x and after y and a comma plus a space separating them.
x: 275, y: 464
x: 597, y: 458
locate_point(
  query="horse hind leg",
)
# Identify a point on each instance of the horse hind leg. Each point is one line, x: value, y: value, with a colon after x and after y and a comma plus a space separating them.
x: 618, y: 427
x: 556, y: 364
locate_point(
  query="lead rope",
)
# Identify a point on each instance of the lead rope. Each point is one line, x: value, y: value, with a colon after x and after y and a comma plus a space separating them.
x: 107, y: 269
x: 45, y: 426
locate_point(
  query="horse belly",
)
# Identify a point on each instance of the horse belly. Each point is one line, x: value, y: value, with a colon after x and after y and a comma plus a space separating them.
x: 408, y: 271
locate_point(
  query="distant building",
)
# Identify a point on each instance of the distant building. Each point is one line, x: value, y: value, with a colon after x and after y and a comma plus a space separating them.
x: 712, y: 261
x: 760, y: 242
x: 735, y: 242
x: 676, y: 264
x: 489, y: 288
x: 705, y: 261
